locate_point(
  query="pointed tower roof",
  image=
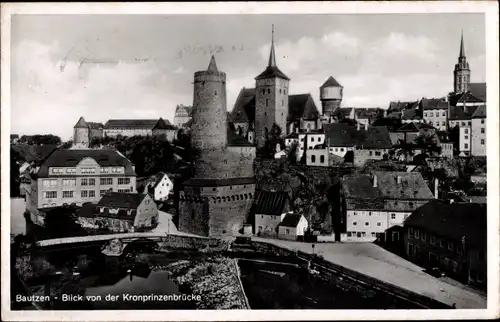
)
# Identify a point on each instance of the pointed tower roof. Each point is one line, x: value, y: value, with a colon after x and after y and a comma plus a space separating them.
x: 462, y: 48
x: 272, y: 56
x: 272, y: 70
x: 331, y: 82
x: 212, y: 67
x: 81, y: 123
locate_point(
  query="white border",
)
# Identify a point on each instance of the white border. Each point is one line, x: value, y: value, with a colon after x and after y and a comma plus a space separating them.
x: 490, y: 8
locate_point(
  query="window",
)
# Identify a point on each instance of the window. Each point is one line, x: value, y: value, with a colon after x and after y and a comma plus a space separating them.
x: 50, y: 183
x: 348, y: 234
x: 267, y: 102
x: 263, y: 91
x: 84, y: 182
x: 312, y: 139
x: 433, y: 240
x: 470, y: 123
x: 379, y: 223
x: 282, y: 103
x: 313, y: 158
x: 354, y: 213
x: 341, y: 149
x: 371, y: 153
x: 322, y: 158
x: 482, y: 130
x: 102, y: 192
x: 70, y: 170
x: 466, y: 131
x: 91, y: 182
x: 425, y: 114
x: 431, y: 114
x: 336, y: 150
x: 69, y: 182
x: 482, y: 121
x: 466, y: 137
x: 68, y: 194
x: 443, y: 114
x: 463, y: 123
x: 443, y: 123
x: 358, y: 235
x: 482, y: 141
x: 450, y: 246
x: 378, y: 153
x: 268, y: 91
x: 49, y: 194
x: 417, y: 233
x: 424, y: 236
x: 441, y: 243
x: 106, y: 181
x: 84, y: 193
x: 127, y: 180
x: 354, y: 223
x: 393, y: 216
x: 466, y: 146
x: 280, y: 92
x: 104, y: 170
x: 367, y: 224
x: 288, y: 231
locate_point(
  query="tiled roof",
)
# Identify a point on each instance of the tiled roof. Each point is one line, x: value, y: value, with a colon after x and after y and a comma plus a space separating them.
x: 130, y: 124
x: 244, y: 107
x: 478, y: 90
x: 121, y: 200
x: 366, y: 112
x: 301, y: 106
x: 452, y: 220
x: 291, y: 220
x: 81, y: 123
x: 271, y: 72
x: 480, y: 112
x: 360, y: 187
x: 433, y: 103
x: 340, y: 135
x: 400, y: 106
x: 331, y: 82
x: 365, y: 204
x: 461, y: 112
x: 219, y: 182
x: 157, y: 179
x: 161, y: 124
x: 273, y: 203
x: 376, y: 137
x: 414, y: 127
x: 72, y: 157
x: 95, y: 125
x: 394, y: 115
x: 411, y: 186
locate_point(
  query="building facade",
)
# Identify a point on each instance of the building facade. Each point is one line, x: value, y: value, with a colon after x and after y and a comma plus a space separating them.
x: 451, y: 237
x: 78, y: 176
x: 464, y: 140
x: 271, y: 207
x: 435, y: 112
x: 330, y: 94
x: 183, y: 114
x: 478, y: 132
x: 461, y: 79
x: 293, y: 227
x: 217, y: 199
x: 84, y: 132
x: 128, y: 128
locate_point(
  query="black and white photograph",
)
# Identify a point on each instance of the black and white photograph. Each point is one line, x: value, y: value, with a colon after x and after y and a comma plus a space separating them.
x: 221, y: 163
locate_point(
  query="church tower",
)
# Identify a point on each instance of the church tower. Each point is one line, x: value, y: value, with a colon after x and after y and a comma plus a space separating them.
x: 462, y: 71
x: 271, y: 99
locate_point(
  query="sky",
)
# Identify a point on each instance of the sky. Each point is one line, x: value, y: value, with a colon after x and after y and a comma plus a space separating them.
x: 142, y: 66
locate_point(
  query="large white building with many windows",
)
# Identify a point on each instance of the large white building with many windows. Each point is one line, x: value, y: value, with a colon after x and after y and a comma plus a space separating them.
x: 75, y: 177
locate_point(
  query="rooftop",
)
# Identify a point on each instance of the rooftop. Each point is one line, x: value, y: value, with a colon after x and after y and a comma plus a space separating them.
x: 411, y: 185
x: 291, y: 220
x: 121, y: 200
x: 331, y: 82
x: 131, y: 124
x: 272, y: 203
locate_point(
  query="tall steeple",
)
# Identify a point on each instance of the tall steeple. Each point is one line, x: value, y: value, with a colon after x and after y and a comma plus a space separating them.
x: 462, y: 49
x: 272, y: 56
x: 462, y: 72
x: 212, y: 67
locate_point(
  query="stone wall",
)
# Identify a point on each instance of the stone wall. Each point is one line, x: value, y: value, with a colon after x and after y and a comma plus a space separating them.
x: 81, y: 137
x: 215, y: 211
x: 329, y: 106
x: 231, y: 162
x: 193, y: 243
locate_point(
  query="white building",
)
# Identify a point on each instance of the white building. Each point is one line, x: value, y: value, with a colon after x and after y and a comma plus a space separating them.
x: 464, y: 140
x: 292, y: 227
x: 478, y: 132
x: 435, y: 112
x: 160, y: 187
x: 271, y: 207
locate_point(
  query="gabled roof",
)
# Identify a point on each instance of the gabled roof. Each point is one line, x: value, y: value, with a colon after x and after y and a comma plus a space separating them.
x: 452, y: 221
x: 273, y: 203
x: 121, y: 200
x: 478, y: 90
x: 340, y: 134
x: 480, y: 112
x: 157, y: 179
x: 163, y: 125
x: 414, y: 127
x: 433, y: 103
x: 81, y: 123
x: 461, y: 112
x: 376, y: 137
x: 301, y: 106
x: 291, y: 220
x: 244, y: 107
x: 331, y: 82
x: 411, y: 114
x: 411, y: 186
x: 400, y: 106
x: 71, y: 157
x: 360, y: 186
x: 272, y: 72
x: 366, y: 112
x: 131, y: 124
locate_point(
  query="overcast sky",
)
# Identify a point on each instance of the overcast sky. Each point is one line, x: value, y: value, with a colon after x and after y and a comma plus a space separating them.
x: 142, y: 66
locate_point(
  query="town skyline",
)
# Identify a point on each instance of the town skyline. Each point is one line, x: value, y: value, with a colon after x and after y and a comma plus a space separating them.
x: 115, y: 68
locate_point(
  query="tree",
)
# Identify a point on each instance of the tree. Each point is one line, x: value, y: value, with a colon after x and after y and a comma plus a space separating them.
x: 61, y: 222
x: 67, y: 145
x: 292, y: 153
x: 428, y: 144
x: 40, y: 139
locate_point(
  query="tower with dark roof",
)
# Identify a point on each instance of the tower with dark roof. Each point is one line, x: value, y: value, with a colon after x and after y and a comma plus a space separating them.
x: 462, y: 70
x: 330, y: 94
x: 81, y: 134
x: 271, y: 99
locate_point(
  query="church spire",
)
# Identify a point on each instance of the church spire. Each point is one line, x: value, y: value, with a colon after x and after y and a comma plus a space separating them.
x: 272, y: 56
x: 462, y: 49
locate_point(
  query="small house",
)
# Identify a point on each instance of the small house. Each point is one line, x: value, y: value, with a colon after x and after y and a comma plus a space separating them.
x: 271, y: 207
x: 160, y: 186
x: 292, y: 227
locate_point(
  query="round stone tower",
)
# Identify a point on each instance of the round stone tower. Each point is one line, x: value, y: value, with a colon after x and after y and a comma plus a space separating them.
x: 330, y: 94
x: 81, y: 134
x: 209, y: 129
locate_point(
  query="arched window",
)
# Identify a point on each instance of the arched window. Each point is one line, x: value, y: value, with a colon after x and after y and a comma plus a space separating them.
x: 313, y: 158
x: 268, y: 91
x: 322, y: 158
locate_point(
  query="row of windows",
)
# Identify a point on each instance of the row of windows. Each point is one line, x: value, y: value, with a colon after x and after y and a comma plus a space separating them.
x: 245, y: 196
x: 431, y: 114
x: 466, y: 145
x: 422, y: 235
x: 87, y: 182
x: 87, y: 170
x: 269, y: 91
x: 360, y: 234
x: 377, y: 153
x: 443, y: 123
x: 393, y: 216
x: 71, y: 194
x: 367, y: 224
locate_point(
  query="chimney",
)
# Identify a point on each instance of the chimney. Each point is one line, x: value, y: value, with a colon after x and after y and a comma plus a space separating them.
x: 375, y: 183
x: 436, y: 190
x: 399, y: 179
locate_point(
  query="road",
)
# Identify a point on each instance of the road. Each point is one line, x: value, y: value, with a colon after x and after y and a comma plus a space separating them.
x: 370, y: 259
